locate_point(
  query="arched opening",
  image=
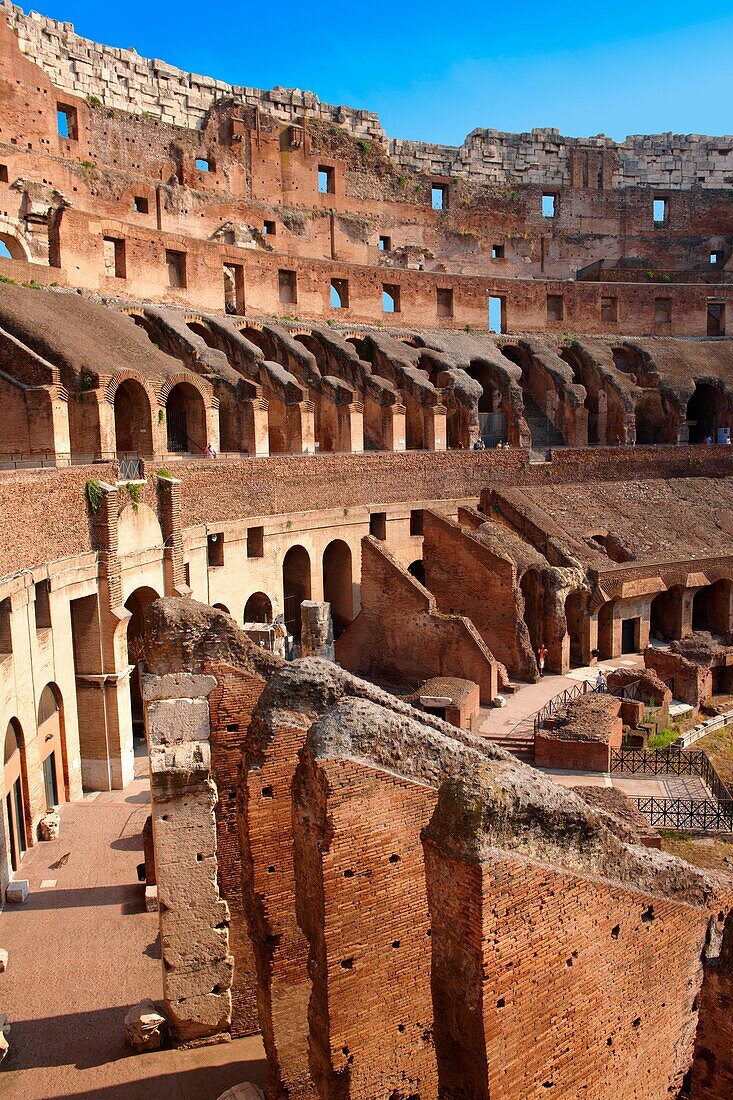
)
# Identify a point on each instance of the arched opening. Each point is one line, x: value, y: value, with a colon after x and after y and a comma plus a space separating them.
x: 221, y: 607
x: 296, y: 586
x: 258, y: 608
x: 261, y: 340
x: 137, y: 604
x: 665, y: 615
x: 206, y: 335
x: 542, y: 404
x: 337, y: 584
x: 185, y: 416
x: 11, y: 248
x: 652, y: 423
x: 52, y: 741
x: 491, y: 415
x: 133, y: 421
x: 364, y: 347
x: 707, y: 410
x: 16, y: 793
x: 702, y: 609
x: 595, y: 398
x: 575, y: 615
x: 531, y: 588
x: 417, y: 569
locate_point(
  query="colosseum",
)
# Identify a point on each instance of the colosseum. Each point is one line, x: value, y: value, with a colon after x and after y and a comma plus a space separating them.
x: 366, y: 598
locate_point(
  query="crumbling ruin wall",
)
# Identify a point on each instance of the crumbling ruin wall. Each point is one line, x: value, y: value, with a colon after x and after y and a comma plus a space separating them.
x: 712, y: 1071
x: 401, y: 637
x: 462, y: 968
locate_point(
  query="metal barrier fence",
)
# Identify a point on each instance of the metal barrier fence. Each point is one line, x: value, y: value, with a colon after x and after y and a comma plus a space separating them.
x: 697, y: 814
x: 558, y: 701
x: 671, y: 761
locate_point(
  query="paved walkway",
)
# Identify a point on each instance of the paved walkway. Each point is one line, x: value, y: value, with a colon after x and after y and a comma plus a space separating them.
x: 529, y: 698
x: 633, y: 786
x: 82, y: 951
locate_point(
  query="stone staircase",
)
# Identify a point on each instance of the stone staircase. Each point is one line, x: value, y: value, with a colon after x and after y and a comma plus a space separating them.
x: 544, y: 433
x: 521, y: 746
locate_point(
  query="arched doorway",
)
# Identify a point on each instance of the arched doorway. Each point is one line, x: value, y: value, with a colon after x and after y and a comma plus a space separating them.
x: 491, y: 414
x: 52, y: 745
x: 137, y: 603
x: 575, y: 615
x: 296, y: 586
x: 258, y: 608
x: 185, y: 416
x: 665, y: 614
x: 12, y: 249
x: 707, y: 410
x: 337, y: 584
x: 221, y: 607
x: 261, y: 340
x: 133, y: 423
x: 16, y: 792
x: 702, y: 609
x: 417, y: 569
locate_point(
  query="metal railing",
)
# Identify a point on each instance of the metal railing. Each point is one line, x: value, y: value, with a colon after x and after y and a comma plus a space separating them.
x: 631, y: 693
x: 558, y: 701
x: 671, y: 761
x: 697, y: 814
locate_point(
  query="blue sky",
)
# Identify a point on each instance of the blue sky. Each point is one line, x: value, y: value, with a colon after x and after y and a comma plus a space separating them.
x: 434, y: 71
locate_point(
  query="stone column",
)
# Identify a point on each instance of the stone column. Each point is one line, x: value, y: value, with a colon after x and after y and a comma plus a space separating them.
x: 356, y: 428
x: 395, y: 427
x: 436, y: 428
x: 260, y: 427
x: 194, y: 918
x: 316, y: 638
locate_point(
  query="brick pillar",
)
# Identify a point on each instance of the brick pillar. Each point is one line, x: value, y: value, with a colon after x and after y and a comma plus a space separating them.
x: 436, y: 428
x: 169, y: 514
x: 260, y: 427
x: 49, y: 412
x: 395, y: 427
x: 106, y: 420
x: 356, y: 428
x: 212, y: 424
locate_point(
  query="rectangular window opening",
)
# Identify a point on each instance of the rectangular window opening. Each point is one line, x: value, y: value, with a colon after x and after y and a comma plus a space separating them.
x: 445, y: 302
x: 287, y: 287
x: 255, y: 542
x: 233, y: 289
x: 716, y: 319
x: 140, y: 204
x: 549, y: 206
x: 390, y: 298
x: 385, y: 244
x: 6, y: 643
x: 269, y: 229
x: 205, y: 165
x: 43, y: 607
x: 66, y: 122
x: 378, y: 525
x: 497, y: 314
x: 339, y: 293
x: 114, y: 258
x: 176, y: 263
x: 663, y: 311
x: 609, y: 309
x: 439, y: 196
x: 416, y: 521
x: 716, y: 258
x: 555, y: 307
x: 3, y: 173
x: 660, y: 211
x: 215, y: 550
x: 326, y: 179
x: 497, y: 252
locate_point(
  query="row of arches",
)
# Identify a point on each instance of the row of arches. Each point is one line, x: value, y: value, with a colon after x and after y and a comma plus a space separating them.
x: 184, y: 413
x: 52, y: 762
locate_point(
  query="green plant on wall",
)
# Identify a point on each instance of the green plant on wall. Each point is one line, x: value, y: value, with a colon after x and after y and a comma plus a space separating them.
x: 95, y: 494
x: 161, y: 415
x: 162, y: 472
x: 135, y: 493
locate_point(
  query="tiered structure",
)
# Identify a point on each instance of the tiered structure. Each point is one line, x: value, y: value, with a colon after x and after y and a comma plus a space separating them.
x: 248, y: 348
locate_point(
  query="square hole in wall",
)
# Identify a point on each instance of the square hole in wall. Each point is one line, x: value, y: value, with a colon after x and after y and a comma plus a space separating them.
x: 555, y: 307
x: 663, y: 311
x: 497, y: 311
x: 385, y: 244
x: 255, y: 542
x: 609, y: 309
x: 114, y: 258
x: 390, y: 298
x: 215, y: 550
x: 444, y: 298
x: 176, y: 264
x: 497, y: 252
x: 205, y: 165
x: 66, y: 122
x: 660, y: 211
x: 3, y: 173
x: 43, y: 606
x: 549, y: 205
x: 439, y: 196
x: 378, y: 525
x: 140, y: 204
x: 326, y: 179
x: 269, y: 229
x: 287, y: 287
x: 715, y: 257
x: 339, y: 293
x: 416, y: 521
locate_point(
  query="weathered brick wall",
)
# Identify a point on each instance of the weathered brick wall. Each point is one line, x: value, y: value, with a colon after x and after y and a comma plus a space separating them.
x: 712, y: 1071
x: 399, y: 635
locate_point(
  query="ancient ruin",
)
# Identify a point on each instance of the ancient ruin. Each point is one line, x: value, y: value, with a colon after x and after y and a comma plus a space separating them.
x: 321, y: 449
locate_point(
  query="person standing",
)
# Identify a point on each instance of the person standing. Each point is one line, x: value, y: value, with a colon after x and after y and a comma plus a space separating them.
x: 541, y: 658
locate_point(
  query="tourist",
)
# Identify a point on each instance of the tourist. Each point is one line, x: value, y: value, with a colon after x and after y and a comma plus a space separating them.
x: 541, y: 658
x: 210, y: 450
x: 601, y: 682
